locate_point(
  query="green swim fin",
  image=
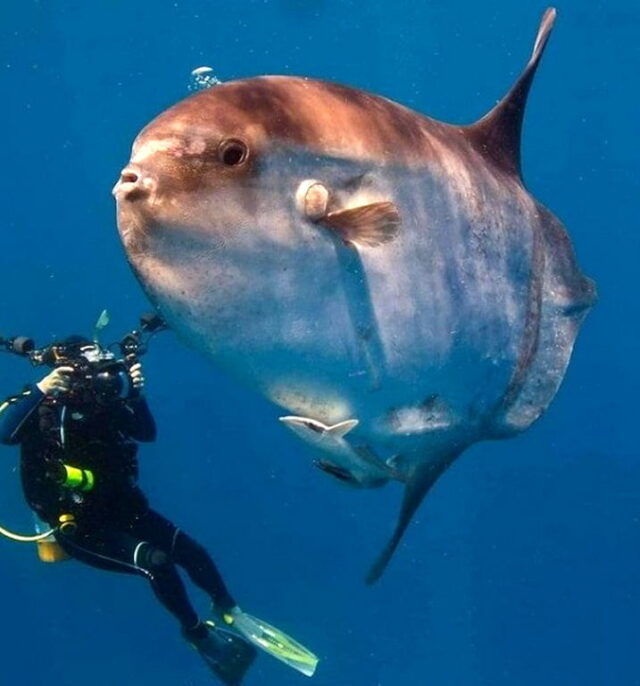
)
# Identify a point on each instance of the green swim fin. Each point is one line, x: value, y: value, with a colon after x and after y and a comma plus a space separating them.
x: 273, y: 641
x: 226, y: 653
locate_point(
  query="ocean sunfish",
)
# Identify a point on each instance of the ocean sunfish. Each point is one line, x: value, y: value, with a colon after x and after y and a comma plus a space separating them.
x: 384, y: 277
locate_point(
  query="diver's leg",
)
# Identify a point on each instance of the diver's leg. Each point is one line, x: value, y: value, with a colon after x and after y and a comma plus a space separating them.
x: 168, y: 587
x: 189, y: 554
x: 115, y: 550
x: 202, y: 570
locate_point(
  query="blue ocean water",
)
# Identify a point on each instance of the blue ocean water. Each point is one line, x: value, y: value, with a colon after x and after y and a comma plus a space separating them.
x: 523, y: 565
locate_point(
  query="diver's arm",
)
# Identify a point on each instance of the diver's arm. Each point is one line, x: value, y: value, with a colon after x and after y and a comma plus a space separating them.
x: 139, y: 422
x: 15, y: 411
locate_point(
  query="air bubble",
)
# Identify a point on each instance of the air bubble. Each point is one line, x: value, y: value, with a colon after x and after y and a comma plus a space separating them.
x: 203, y: 77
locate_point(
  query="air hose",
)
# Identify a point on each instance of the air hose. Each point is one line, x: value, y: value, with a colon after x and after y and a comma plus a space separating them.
x: 25, y: 539
x: 67, y: 526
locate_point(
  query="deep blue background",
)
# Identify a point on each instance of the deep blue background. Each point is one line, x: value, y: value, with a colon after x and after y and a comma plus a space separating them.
x: 524, y: 563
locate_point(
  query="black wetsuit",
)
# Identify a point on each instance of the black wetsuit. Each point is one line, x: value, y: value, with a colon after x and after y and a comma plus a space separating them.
x: 116, y: 529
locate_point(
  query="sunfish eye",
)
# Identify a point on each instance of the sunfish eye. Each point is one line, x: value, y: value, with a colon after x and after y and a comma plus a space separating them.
x: 232, y: 152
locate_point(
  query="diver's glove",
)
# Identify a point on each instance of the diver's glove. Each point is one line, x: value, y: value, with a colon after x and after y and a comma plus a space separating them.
x: 137, y: 378
x: 56, y: 382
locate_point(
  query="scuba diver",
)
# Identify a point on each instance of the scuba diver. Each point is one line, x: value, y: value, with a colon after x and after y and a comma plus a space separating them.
x: 78, y: 429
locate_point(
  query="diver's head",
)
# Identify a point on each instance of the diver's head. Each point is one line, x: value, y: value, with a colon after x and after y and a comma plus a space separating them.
x: 107, y: 376
x: 98, y: 376
x: 66, y: 350
x: 94, y: 353
x: 81, y: 348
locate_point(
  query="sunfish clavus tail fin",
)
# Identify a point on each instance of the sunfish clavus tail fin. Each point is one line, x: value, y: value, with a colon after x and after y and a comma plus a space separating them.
x: 417, y: 487
x: 497, y: 134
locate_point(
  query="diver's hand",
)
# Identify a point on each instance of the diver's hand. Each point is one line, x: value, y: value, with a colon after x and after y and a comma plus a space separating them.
x: 136, y: 376
x: 56, y: 382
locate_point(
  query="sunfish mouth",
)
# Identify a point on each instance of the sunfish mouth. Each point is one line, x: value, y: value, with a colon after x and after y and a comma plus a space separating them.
x: 135, y: 196
x: 133, y: 185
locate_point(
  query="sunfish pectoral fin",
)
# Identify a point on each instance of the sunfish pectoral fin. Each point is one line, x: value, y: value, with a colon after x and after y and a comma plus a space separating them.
x: 370, y: 225
x: 497, y: 134
x: 416, y: 489
x: 304, y: 424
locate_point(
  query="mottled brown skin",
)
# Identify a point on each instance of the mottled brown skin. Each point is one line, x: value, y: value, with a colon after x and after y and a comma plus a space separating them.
x: 320, y: 116
x: 326, y: 117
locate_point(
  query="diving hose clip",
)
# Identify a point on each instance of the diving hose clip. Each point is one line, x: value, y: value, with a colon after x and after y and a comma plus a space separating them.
x: 67, y: 524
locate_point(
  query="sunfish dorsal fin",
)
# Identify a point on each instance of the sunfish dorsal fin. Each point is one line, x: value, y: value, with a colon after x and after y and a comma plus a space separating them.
x: 497, y: 134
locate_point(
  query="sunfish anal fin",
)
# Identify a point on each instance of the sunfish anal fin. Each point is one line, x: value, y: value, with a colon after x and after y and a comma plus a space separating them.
x: 370, y: 225
x: 416, y: 489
